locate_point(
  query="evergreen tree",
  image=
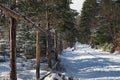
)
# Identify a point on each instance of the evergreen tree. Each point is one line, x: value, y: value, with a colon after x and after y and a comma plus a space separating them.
x: 110, y: 19
x: 89, y: 11
x: 59, y: 13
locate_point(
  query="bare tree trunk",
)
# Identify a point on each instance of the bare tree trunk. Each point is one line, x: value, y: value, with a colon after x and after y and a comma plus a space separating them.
x: 37, y: 55
x: 56, y: 45
x: 13, y: 73
x: 48, y: 47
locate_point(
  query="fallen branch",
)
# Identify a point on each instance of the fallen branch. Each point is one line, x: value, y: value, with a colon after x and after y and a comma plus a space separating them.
x: 16, y: 15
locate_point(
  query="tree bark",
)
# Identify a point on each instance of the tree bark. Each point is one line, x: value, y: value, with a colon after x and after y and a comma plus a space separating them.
x: 37, y: 55
x: 15, y: 15
x: 48, y: 49
x: 56, y: 45
x: 13, y: 73
x: 61, y: 44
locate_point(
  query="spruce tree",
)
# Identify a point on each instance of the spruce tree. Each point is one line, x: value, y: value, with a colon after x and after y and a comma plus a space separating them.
x: 89, y: 11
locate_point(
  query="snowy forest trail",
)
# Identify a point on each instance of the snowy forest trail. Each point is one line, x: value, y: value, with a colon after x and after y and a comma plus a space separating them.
x: 85, y: 63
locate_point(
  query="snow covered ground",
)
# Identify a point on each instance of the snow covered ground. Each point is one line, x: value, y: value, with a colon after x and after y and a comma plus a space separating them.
x: 25, y: 69
x: 86, y: 63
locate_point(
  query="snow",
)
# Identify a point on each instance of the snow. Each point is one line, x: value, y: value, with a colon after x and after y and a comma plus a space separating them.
x: 117, y: 53
x: 86, y: 63
x: 25, y: 69
x: 53, y: 76
x: 82, y: 62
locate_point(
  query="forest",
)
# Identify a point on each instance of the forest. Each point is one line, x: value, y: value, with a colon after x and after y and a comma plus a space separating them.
x: 99, y: 22
x: 43, y: 29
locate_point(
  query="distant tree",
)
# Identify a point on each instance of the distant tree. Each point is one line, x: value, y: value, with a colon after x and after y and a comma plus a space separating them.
x: 110, y: 18
x: 89, y: 11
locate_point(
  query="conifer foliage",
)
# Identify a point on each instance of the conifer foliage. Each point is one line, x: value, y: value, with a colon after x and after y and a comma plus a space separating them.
x: 89, y: 11
x: 99, y: 22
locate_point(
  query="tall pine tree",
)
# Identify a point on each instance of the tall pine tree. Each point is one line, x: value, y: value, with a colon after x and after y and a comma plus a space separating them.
x: 89, y: 11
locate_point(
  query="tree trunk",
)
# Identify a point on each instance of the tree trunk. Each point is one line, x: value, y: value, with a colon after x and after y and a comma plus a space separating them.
x: 61, y: 45
x: 56, y: 46
x: 37, y: 55
x: 48, y: 47
x: 13, y: 73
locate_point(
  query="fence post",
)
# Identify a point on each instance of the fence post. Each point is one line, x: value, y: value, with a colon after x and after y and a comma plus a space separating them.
x: 37, y: 55
x: 13, y: 72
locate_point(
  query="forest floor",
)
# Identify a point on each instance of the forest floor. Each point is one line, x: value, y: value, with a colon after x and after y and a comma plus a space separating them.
x: 83, y: 63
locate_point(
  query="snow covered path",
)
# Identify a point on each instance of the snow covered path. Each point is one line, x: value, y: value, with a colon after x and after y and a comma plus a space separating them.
x: 85, y: 63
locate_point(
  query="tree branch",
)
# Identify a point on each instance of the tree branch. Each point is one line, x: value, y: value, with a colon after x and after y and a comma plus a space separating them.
x: 16, y: 15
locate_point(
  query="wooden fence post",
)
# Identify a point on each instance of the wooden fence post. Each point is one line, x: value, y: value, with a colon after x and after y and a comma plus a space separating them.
x: 37, y: 55
x: 13, y: 73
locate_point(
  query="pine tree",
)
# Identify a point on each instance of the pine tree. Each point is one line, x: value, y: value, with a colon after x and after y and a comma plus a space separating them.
x: 89, y: 11
x: 110, y: 19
